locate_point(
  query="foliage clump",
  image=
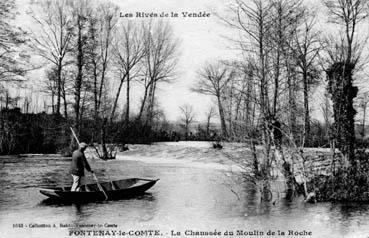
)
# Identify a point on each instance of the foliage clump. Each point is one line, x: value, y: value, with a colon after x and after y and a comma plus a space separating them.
x: 344, y: 184
x: 340, y: 86
x: 31, y: 133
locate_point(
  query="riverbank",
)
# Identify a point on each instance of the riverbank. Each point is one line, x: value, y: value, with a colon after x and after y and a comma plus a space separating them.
x: 235, y: 157
x: 190, y: 154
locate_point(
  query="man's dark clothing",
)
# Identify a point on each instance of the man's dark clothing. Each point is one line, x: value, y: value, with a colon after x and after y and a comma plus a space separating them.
x: 79, y: 164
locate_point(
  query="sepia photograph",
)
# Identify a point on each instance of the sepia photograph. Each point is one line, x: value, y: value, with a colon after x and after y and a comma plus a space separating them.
x: 184, y: 119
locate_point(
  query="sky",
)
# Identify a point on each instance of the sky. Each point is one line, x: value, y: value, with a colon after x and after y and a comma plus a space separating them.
x: 201, y: 41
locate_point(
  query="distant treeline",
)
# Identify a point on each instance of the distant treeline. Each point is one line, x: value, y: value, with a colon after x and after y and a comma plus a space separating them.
x: 50, y: 133
x: 30, y: 133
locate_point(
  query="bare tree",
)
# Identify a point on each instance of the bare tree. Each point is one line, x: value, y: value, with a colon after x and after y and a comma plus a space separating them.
x: 248, y: 97
x: 128, y: 51
x: 102, y: 24
x: 348, y: 14
x: 306, y: 50
x: 161, y: 56
x: 81, y: 11
x: 53, y: 37
x: 187, y: 116
x: 267, y: 40
x: 209, y: 115
x: 213, y: 81
x: 344, y: 56
x: 285, y: 17
x: 253, y: 20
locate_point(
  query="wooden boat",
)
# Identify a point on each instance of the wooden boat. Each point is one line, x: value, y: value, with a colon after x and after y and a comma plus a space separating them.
x: 125, y: 188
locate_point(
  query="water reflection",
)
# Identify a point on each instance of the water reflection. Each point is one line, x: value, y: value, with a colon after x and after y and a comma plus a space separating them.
x: 80, y: 215
x: 185, y: 197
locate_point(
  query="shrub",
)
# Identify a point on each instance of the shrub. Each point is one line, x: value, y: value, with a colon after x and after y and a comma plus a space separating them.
x: 344, y: 184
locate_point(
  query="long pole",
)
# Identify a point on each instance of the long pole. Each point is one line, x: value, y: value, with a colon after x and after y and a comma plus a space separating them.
x: 74, y: 134
x: 93, y: 174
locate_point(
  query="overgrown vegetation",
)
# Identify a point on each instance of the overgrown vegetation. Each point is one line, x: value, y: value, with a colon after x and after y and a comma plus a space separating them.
x: 50, y: 133
x: 344, y: 183
x: 31, y: 133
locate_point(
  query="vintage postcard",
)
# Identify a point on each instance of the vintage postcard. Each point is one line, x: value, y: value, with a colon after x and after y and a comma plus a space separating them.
x: 193, y: 118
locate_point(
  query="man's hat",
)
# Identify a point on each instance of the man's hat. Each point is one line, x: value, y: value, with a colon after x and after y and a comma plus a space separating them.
x: 83, y: 145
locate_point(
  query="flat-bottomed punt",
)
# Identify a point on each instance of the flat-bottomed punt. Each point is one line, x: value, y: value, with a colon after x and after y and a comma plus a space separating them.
x: 119, y: 189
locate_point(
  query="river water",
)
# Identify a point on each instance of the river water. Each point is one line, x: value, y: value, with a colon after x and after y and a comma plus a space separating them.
x: 187, y: 197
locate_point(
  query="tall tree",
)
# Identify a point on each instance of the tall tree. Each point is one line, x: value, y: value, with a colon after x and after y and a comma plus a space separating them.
x: 286, y: 17
x: 81, y: 11
x: 101, y: 25
x: 214, y: 79
x: 101, y: 33
x: 209, y: 115
x: 187, y: 117
x: 253, y: 20
x: 306, y: 51
x: 161, y: 57
x: 53, y: 37
x: 129, y: 51
x: 344, y: 56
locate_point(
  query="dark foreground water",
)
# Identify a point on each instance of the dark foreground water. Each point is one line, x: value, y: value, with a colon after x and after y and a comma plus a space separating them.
x: 199, y: 198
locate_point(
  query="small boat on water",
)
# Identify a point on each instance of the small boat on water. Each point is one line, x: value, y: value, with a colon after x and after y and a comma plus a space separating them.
x: 113, y: 190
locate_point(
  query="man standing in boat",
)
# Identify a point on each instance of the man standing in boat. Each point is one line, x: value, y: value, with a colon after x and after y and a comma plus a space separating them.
x: 78, y: 166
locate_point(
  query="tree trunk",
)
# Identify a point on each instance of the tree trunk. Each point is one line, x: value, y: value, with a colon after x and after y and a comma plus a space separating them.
x: 96, y: 100
x: 291, y: 101
x: 222, y: 119
x: 276, y: 85
x: 58, y: 100
x: 116, y: 100
x: 143, y: 102
x: 52, y: 102
x: 343, y: 93
x: 103, y: 140
x: 306, y: 108
x: 65, y: 107
x: 127, y: 99
x: 364, y: 115
x: 230, y: 114
x: 186, y: 131
x: 150, y: 108
x: 78, y: 82
x: 208, y: 128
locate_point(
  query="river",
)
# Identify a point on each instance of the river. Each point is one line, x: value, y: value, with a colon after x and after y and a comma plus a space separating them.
x: 191, y: 196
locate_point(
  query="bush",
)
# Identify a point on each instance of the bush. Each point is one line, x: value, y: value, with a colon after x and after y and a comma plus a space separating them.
x: 345, y: 184
x: 31, y: 133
